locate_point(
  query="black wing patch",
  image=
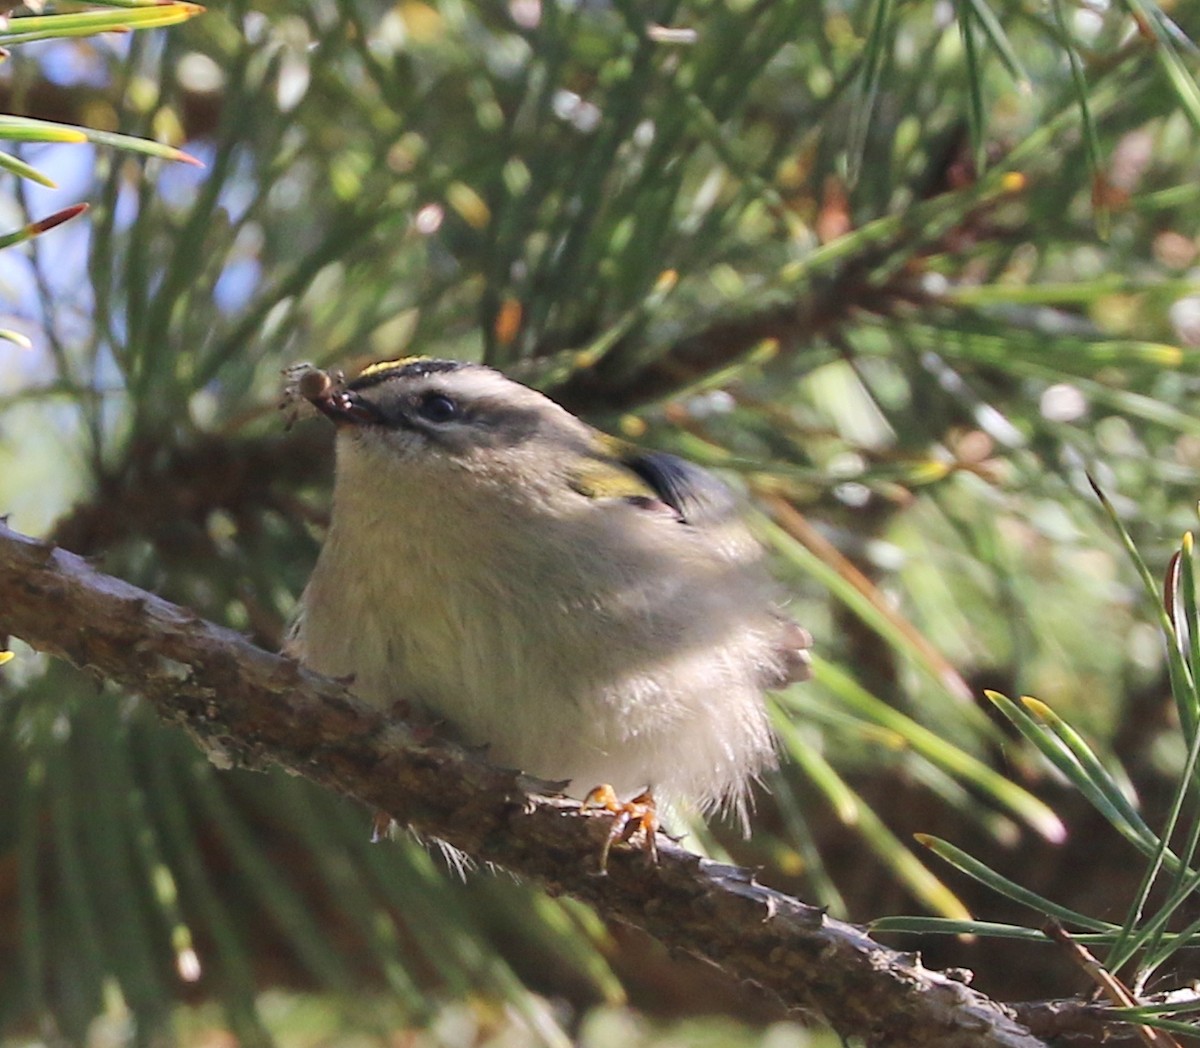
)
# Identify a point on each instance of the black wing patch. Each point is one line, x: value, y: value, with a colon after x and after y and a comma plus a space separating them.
x: 691, y: 491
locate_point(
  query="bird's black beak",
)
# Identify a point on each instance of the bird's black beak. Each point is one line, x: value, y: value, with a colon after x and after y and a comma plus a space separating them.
x: 344, y: 407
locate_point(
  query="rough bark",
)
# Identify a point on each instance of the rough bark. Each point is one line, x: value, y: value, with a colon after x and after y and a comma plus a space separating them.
x: 254, y: 707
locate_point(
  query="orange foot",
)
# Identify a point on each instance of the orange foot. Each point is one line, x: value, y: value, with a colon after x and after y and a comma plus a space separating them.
x: 631, y: 816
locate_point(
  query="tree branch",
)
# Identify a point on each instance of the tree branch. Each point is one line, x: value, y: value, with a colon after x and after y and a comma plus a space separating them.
x: 258, y: 708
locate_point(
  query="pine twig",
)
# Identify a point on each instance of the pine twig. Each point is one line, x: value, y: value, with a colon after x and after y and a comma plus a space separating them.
x: 1116, y: 991
x: 256, y: 708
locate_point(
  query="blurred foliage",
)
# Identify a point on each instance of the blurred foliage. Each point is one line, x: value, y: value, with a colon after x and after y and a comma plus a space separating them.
x: 901, y: 271
x: 1155, y: 928
x: 139, y: 14
x: 314, y: 1021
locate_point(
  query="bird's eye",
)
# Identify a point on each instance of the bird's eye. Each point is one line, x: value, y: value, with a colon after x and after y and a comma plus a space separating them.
x: 437, y: 407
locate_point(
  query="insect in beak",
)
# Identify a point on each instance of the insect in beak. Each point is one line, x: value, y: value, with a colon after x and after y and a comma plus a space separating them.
x: 330, y: 397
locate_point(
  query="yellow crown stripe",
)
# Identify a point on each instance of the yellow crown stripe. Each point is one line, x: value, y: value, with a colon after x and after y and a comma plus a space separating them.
x: 388, y: 365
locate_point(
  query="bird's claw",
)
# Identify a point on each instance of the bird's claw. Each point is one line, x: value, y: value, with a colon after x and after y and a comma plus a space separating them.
x: 639, y: 813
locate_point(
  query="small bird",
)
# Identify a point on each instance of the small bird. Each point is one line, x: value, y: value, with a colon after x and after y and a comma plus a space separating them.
x: 585, y: 610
